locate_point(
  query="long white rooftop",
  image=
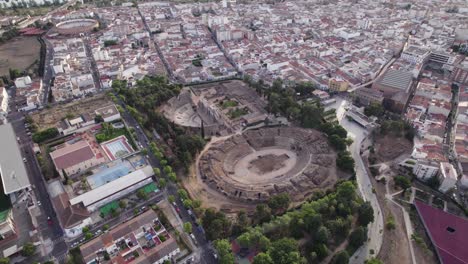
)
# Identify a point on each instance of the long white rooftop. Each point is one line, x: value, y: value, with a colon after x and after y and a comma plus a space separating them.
x: 12, y: 170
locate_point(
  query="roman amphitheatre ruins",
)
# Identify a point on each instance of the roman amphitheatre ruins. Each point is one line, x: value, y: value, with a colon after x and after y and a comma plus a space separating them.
x: 247, y: 160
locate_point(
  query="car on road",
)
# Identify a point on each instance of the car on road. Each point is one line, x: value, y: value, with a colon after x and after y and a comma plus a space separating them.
x: 177, y: 209
x: 194, y: 239
x: 25, y: 160
x: 39, y: 203
x: 49, y: 221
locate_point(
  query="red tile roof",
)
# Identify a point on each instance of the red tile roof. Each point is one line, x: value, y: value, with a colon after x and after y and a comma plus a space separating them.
x: 451, y: 246
x: 64, y: 159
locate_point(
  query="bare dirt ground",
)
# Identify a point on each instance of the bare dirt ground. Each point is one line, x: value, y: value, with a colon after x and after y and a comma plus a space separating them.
x: 18, y: 53
x: 395, y: 245
x: 49, y: 117
x: 389, y: 147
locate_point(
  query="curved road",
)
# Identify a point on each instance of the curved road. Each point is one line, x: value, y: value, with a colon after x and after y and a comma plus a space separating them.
x: 375, y: 229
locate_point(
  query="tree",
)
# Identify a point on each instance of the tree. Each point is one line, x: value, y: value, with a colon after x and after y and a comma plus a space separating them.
x: 262, y: 214
x: 105, y: 227
x: 85, y: 229
x: 188, y: 203
x: 98, y: 119
x: 341, y: 257
x: 285, y: 251
x: 188, y: 227
x: 157, y: 172
x: 172, y: 177
x: 223, y: 247
x: 374, y: 109
x: 88, y: 235
x: 162, y: 183
x: 262, y: 258
x: 346, y: 191
x: 373, y: 261
x: 122, y: 204
x: 279, y: 202
x: 28, y: 249
x: 358, y: 237
x: 141, y: 194
x: 322, y: 235
x: 402, y: 182
x: 344, y: 161
x: 216, y: 224
x: 171, y: 198
x: 366, y: 214
x: 182, y: 194
x: 4, y: 260
x: 433, y: 182
x: 245, y: 240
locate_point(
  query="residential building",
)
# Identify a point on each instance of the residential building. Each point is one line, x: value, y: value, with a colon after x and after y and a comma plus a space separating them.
x: 414, y: 54
x: 447, y: 177
x: 366, y: 96
x: 460, y: 72
x: 73, y: 218
x: 337, y: 84
x: 426, y: 169
x: 109, y: 113
x: 23, y: 82
x: 3, y: 102
x: 7, y: 225
x: 77, y: 155
x: 140, y: 240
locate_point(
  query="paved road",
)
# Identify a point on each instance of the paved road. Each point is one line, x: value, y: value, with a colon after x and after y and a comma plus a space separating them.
x: 204, y: 248
x: 48, y: 71
x: 375, y: 233
x: 54, y: 232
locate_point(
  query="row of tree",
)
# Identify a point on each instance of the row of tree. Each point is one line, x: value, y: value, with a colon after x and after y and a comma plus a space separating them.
x: 142, y: 103
x: 325, y: 223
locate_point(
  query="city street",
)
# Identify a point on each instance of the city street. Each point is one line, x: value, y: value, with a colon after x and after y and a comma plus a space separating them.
x: 375, y: 229
x: 53, y: 232
x: 205, y: 250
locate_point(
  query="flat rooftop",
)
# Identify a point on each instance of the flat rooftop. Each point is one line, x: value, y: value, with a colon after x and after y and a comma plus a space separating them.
x: 398, y: 79
x: 12, y: 169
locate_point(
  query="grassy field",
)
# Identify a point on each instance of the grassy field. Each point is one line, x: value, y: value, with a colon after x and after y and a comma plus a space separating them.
x: 18, y: 53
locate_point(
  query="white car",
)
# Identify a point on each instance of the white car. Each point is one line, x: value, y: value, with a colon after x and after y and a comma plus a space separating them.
x: 24, y: 160
x: 39, y: 203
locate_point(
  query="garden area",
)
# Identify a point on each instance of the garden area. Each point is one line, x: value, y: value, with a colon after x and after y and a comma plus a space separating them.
x: 329, y: 229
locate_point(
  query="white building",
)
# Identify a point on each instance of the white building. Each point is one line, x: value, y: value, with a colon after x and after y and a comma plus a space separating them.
x: 20, y: 3
x: 23, y: 82
x: 425, y: 170
x: 115, y: 189
x: 415, y: 54
x: 447, y: 177
x: 3, y: 102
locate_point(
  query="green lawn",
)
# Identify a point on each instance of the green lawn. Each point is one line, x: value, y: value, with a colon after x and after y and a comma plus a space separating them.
x: 228, y: 104
x: 106, y: 209
x: 236, y: 113
x: 103, y: 136
x: 150, y: 188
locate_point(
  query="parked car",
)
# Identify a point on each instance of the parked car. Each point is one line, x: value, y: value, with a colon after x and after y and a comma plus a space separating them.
x: 49, y: 221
